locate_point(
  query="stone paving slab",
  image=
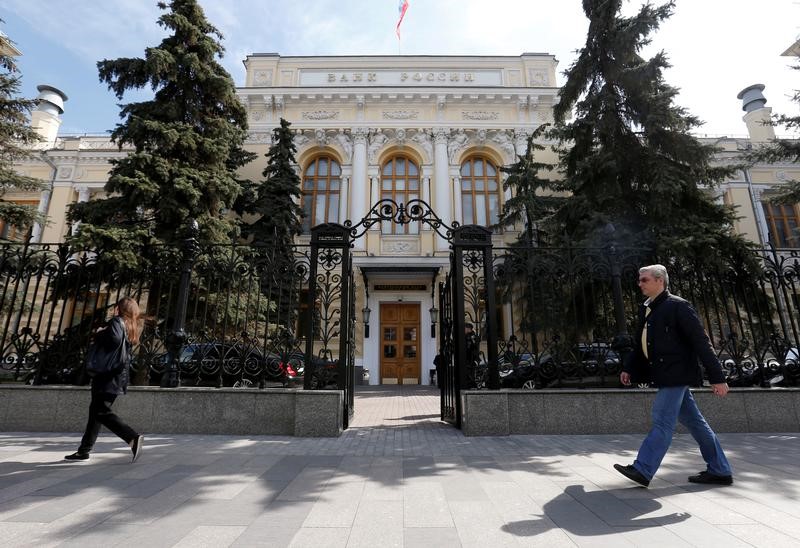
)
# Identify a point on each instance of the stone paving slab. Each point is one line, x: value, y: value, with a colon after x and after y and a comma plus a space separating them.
x: 397, y: 477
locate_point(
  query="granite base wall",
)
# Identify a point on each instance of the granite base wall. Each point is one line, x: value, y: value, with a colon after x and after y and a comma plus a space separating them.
x: 507, y: 412
x: 282, y: 412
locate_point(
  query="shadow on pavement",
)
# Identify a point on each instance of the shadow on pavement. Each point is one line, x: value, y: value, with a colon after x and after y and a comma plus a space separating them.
x: 596, y: 513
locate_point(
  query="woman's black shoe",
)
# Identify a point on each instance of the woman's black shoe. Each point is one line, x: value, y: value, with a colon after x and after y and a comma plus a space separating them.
x: 136, y: 447
x: 77, y: 456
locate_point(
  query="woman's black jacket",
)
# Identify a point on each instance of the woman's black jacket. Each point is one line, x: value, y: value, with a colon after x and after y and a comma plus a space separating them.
x: 676, y: 340
x: 107, y: 341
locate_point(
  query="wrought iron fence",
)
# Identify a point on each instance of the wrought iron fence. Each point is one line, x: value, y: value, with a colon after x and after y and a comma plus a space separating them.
x: 560, y: 314
x: 247, y: 314
x: 565, y: 315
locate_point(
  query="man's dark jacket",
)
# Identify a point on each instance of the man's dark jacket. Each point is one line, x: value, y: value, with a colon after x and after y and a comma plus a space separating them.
x: 108, y: 342
x: 675, y: 341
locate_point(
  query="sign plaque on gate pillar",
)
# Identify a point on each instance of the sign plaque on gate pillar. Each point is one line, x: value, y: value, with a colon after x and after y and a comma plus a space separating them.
x: 472, y: 236
x: 330, y: 235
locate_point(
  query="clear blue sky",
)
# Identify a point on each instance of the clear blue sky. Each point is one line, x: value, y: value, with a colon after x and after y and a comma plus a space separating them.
x: 717, y: 47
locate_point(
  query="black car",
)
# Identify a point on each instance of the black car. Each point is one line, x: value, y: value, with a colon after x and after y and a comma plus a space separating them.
x: 218, y: 364
x: 587, y: 364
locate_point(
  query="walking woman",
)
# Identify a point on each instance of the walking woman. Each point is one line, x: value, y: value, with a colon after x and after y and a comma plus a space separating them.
x: 122, y: 329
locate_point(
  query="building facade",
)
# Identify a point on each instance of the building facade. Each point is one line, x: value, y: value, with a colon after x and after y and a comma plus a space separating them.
x: 367, y: 128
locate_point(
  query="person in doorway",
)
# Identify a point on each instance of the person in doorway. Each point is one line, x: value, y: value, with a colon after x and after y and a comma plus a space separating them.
x: 670, y: 340
x: 123, y: 329
x: 438, y: 364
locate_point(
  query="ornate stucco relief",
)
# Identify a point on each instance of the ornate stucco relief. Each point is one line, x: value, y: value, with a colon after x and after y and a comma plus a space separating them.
x: 262, y: 78
x: 400, y: 114
x: 321, y: 115
x: 479, y: 115
x: 400, y: 245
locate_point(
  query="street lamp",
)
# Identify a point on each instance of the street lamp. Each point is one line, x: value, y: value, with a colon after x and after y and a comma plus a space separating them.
x: 434, y: 319
x: 365, y: 316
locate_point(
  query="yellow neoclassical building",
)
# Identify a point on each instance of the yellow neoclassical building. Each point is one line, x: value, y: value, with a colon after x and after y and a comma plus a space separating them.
x: 435, y: 128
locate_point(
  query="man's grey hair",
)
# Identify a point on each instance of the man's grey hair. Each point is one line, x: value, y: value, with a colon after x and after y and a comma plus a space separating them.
x: 657, y: 271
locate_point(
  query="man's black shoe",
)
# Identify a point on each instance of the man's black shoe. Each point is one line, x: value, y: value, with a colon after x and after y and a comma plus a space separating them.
x: 708, y: 477
x: 632, y: 474
x: 77, y: 456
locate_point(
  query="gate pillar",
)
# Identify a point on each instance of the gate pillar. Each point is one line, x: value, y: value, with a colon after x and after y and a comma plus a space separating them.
x: 331, y: 304
x: 472, y: 296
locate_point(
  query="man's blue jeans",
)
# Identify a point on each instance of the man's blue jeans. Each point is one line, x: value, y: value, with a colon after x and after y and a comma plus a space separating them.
x: 673, y: 404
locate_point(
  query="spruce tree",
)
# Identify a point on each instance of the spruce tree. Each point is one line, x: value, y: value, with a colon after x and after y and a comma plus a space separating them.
x: 16, y: 141
x: 276, y: 221
x: 783, y: 150
x: 275, y: 204
x: 187, y: 143
x: 628, y: 156
x: 528, y: 204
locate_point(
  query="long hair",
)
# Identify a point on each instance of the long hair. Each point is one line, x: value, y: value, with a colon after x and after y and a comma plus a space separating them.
x: 129, y: 311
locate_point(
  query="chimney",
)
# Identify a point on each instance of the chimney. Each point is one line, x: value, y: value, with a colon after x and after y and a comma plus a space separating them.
x: 46, y: 118
x: 758, y: 116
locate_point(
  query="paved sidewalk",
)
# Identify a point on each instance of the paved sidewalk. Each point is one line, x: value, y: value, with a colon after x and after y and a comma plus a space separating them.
x: 397, y: 477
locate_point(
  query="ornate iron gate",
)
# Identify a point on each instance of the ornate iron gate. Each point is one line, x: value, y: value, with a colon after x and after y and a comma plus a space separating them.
x: 467, y: 297
x: 331, y: 300
x: 446, y: 373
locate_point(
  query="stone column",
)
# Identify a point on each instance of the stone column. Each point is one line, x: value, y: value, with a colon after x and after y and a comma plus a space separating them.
x: 375, y: 189
x: 343, y: 197
x: 375, y: 193
x: 425, y: 189
x: 358, y: 187
x: 458, y: 213
x: 44, y: 203
x: 758, y: 210
x: 442, y: 198
x: 83, y: 196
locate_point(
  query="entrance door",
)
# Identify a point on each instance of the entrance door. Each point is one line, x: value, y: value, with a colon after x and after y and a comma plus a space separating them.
x: 400, y: 343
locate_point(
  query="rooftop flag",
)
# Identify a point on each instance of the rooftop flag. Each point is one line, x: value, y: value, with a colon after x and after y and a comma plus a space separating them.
x: 402, y: 9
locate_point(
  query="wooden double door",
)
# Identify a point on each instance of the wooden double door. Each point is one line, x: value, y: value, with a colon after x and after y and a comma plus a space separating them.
x: 400, y: 350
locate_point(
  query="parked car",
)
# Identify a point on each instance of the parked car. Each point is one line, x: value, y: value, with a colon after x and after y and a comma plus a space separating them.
x: 771, y: 371
x: 218, y: 364
x: 285, y: 368
x: 247, y: 366
x: 597, y: 365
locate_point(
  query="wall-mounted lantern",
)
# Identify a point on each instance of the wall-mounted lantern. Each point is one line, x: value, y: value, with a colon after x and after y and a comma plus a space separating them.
x: 434, y: 319
x: 365, y: 312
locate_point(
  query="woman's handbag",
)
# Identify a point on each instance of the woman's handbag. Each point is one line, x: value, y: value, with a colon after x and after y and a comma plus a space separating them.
x: 99, y: 362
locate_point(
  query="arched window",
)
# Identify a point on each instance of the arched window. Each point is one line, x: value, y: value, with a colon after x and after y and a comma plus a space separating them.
x: 480, y: 192
x: 321, y: 184
x: 400, y: 182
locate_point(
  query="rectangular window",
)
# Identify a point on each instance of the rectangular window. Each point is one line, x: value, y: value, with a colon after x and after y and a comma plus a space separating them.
x: 86, y: 305
x: 16, y: 233
x: 783, y: 223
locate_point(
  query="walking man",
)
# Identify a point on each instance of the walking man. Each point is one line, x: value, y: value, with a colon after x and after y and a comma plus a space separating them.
x: 670, y: 340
